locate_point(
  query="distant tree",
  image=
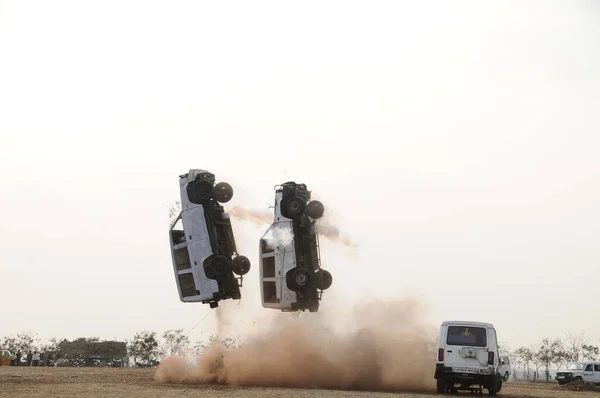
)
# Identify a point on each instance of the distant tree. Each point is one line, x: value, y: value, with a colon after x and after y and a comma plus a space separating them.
x: 174, y: 211
x: 10, y: 343
x: 144, y: 346
x: 590, y: 352
x: 176, y: 343
x: 229, y: 342
x: 26, y: 341
x: 504, y: 349
x: 546, y: 353
x: 199, y: 348
x: 51, y: 345
x: 560, y: 356
x: 525, y: 354
x: 573, y: 345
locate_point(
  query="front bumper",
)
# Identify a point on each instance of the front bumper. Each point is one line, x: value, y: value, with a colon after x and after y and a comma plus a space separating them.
x: 564, y: 377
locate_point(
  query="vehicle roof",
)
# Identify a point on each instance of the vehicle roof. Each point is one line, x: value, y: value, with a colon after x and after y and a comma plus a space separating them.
x: 468, y: 323
x: 583, y: 362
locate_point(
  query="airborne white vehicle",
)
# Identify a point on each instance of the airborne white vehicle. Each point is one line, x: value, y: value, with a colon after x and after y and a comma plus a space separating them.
x: 467, y: 358
x: 203, y: 248
x: 291, y: 277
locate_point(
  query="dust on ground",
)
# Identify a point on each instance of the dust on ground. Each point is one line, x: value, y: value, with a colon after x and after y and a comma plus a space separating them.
x: 382, y: 345
x: 129, y: 382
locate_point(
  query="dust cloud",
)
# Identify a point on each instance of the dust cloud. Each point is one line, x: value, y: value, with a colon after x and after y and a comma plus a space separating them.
x: 262, y: 217
x: 382, y: 345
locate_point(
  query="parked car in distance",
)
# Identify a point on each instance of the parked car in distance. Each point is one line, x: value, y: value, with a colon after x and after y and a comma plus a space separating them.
x: 505, y: 370
x: 583, y: 371
x: 291, y: 277
x: 203, y: 250
x: 6, y: 358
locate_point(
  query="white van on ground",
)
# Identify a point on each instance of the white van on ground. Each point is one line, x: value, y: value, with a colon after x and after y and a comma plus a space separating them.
x: 505, y: 370
x: 467, y: 358
x: 203, y: 248
x: 291, y: 277
x: 579, y: 371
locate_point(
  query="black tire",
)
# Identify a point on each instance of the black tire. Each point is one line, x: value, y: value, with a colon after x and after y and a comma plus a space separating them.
x: 314, y: 209
x: 300, y: 279
x: 441, y: 385
x: 323, y: 279
x: 240, y: 265
x: 493, y: 386
x: 223, y: 192
x: 200, y: 192
x: 506, y: 376
x: 217, y: 267
x: 500, y: 382
x: 294, y: 206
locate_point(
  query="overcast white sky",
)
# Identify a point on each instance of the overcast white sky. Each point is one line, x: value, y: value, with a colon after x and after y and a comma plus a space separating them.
x: 457, y: 142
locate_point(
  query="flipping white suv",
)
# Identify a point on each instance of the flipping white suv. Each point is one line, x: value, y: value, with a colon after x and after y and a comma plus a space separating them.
x: 467, y: 358
x: 291, y: 277
x: 203, y: 249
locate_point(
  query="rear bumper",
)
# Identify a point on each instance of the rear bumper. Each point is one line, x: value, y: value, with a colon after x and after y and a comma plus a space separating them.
x: 449, y: 374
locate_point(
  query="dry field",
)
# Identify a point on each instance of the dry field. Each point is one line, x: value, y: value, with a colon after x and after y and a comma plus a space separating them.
x: 106, y: 382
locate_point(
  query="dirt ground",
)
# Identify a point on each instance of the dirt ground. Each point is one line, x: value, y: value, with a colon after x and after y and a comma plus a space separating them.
x: 126, y: 382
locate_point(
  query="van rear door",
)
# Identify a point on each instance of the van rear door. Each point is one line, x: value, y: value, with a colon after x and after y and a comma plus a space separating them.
x: 466, y: 347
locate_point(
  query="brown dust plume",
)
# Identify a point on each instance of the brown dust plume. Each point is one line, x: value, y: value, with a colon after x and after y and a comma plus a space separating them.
x: 262, y: 217
x: 380, y: 346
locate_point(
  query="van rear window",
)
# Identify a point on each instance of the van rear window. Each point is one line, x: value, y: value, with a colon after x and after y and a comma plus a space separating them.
x: 466, y: 336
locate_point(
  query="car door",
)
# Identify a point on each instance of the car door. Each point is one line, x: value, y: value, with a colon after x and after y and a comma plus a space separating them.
x: 588, y: 373
x: 596, y: 373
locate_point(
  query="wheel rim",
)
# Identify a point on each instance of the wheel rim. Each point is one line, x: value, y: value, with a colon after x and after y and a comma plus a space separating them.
x: 202, y: 189
x: 219, y: 266
x: 301, y: 279
x: 295, y: 206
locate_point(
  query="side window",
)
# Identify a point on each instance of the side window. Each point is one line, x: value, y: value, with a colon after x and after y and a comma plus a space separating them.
x: 597, y: 367
x: 268, y: 267
x: 589, y: 368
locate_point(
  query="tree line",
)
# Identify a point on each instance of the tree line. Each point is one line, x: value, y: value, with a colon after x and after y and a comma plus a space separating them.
x: 148, y: 347
x: 143, y: 348
x: 550, y: 353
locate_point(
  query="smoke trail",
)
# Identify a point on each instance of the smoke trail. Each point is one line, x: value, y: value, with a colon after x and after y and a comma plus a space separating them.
x: 260, y: 217
x: 384, y: 346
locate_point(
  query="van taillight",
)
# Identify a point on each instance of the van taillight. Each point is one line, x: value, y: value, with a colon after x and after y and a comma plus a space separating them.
x: 441, y: 355
x: 491, y: 358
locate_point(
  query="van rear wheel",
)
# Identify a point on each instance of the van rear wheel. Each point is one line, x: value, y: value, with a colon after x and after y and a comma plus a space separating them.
x: 294, y: 207
x: 298, y: 279
x: 217, y: 267
x: 493, y: 386
x: 441, y: 385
